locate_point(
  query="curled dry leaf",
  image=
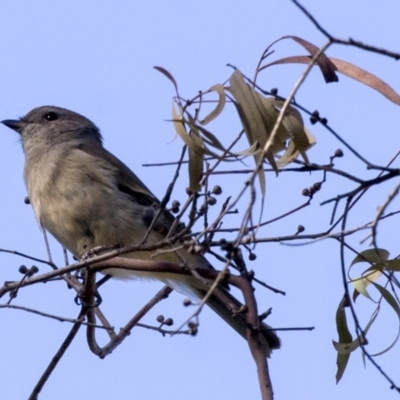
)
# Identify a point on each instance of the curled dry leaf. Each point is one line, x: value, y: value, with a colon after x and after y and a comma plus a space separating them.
x: 259, y: 115
x: 196, y: 149
x: 208, y: 137
x: 247, y: 103
x: 269, y: 115
x: 181, y: 131
x: 250, y: 151
x: 195, y: 131
x: 292, y: 152
x: 196, y: 144
x: 300, y: 139
x: 220, y: 105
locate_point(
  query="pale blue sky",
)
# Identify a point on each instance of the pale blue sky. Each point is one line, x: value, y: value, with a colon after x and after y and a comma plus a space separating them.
x: 96, y: 58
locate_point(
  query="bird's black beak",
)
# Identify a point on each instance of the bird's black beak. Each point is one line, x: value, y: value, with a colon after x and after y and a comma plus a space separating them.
x: 15, y: 124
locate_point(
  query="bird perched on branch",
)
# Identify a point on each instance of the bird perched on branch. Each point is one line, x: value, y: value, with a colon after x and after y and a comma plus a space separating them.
x: 86, y: 197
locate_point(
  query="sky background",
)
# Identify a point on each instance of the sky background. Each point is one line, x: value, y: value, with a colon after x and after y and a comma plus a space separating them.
x: 96, y: 58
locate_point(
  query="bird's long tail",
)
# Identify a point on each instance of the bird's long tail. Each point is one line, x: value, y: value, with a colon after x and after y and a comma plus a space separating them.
x: 227, y: 307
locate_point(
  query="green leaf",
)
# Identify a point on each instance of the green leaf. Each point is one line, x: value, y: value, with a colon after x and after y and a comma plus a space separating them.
x: 392, y: 265
x: 372, y: 256
x: 344, y: 337
x: 395, y: 306
x: 376, y: 257
x: 195, y: 170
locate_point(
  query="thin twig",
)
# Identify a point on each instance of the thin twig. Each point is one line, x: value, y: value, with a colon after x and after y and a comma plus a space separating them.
x: 57, y: 357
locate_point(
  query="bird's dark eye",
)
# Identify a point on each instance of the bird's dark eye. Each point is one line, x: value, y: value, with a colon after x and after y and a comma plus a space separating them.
x: 51, y: 116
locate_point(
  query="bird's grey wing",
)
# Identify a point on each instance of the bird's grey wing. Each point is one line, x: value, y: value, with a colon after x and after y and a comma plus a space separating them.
x: 129, y: 183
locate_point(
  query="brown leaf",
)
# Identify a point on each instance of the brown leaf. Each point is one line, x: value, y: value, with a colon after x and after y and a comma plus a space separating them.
x: 366, y: 78
x: 350, y: 70
x: 325, y: 64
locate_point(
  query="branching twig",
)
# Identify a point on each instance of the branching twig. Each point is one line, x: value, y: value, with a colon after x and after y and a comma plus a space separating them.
x: 349, y: 42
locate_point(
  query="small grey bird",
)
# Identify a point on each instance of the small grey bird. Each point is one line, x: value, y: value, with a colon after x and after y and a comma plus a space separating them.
x: 86, y: 197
